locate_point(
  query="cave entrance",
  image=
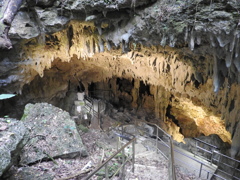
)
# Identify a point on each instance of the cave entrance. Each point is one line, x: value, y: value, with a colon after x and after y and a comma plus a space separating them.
x: 124, y: 93
x: 146, y: 101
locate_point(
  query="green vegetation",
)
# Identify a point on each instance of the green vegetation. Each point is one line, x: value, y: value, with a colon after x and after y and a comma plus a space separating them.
x: 83, y: 128
x: 23, y: 117
x: 112, y: 169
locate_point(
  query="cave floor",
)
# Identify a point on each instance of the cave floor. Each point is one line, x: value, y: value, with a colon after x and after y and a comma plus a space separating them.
x: 100, y: 145
x: 148, y: 164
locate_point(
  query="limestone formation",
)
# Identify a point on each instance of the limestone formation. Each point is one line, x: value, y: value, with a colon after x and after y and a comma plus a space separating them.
x: 29, y: 173
x: 53, y: 134
x: 12, y: 139
x: 179, y: 60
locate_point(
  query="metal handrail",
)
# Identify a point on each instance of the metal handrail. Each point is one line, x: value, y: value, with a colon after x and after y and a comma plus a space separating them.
x: 155, y: 126
x: 201, y: 169
x: 172, y: 155
x: 227, y: 156
x: 222, y: 167
x: 215, y: 147
x: 132, y: 141
x: 172, y: 174
x: 201, y: 162
x: 175, y: 150
x: 94, y: 112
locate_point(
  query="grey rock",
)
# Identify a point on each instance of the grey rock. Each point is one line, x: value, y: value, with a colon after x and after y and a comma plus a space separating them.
x: 50, y: 20
x: 40, y: 3
x: 23, y: 26
x: 53, y: 134
x: 29, y: 173
x: 12, y: 139
x: 45, y: 3
x: 6, y: 65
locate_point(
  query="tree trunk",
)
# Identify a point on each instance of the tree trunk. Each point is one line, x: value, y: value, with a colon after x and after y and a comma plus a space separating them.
x: 8, y: 11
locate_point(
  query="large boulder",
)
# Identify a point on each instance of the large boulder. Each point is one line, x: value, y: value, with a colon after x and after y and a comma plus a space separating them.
x: 53, y: 134
x: 12, y: 140
x: 29, y: 173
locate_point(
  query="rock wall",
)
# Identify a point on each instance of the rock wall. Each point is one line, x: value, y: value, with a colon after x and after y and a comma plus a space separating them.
x: 186, y: 52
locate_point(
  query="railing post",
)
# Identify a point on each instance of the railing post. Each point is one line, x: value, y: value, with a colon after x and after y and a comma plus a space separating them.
x: 219, y: 160
x: 106, y: 172
x: 200, y: 170
x: 122, y: 132
x: 172, y: 175
x: 123, y: 162
x: 98, y: 113
x: 234, y: 169
x: 118, y: 142
x: 195, y: 152
x: 157, y: 141
x: 133, y: 155
x: 212, y: 156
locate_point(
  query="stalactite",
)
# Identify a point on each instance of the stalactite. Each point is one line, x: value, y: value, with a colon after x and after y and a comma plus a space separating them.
x: 215, y: 74
x: 125, y: 42
x: 99, y: 30
x: 192, y: 39
x: 228, y: 59
x: 163, y: 41
x: 222, y: 40
x: 135, y: 94
x: 160, y: 68
x: 101, y: 45
x: 212, y: 41
x: 199, y: 40
x: 93, y: 45
x: 232, y: 44
x: 237, y: 48
x: 104, y: 13
x: 108, y: 46
x: 186, y: 35
x: 172, y: 41
x: 236, y: 62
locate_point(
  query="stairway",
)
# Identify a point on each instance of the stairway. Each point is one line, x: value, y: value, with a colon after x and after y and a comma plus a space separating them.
x: 201, y: 167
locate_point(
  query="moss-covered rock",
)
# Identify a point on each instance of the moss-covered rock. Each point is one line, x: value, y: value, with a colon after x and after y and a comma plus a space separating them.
x: 53, y: 134
x: 12, y: 139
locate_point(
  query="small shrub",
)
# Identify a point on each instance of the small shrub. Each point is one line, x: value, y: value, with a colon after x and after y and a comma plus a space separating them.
x: 23, y: 117
x: 83, y: 128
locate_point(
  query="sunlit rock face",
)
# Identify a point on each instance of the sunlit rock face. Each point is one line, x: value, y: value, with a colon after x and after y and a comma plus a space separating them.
x: 178, y: 61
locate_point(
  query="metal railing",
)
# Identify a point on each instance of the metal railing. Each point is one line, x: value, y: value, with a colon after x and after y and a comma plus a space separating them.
x: 227, y: 166
x: 204, y: 149
x: 169, y: 153
x: 89, y: 102
x: 94, y: 111
x: 124, y: 159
